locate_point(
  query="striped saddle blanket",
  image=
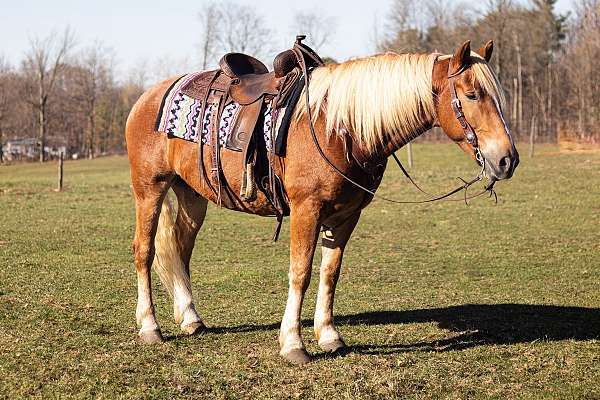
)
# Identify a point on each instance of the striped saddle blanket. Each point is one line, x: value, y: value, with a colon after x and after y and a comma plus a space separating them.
x: 179, y: 117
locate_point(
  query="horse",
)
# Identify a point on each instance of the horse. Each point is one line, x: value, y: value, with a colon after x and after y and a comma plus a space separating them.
x: 382, y: 102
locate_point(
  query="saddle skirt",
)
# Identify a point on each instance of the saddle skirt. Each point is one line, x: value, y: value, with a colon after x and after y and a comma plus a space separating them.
x: 179, y: 117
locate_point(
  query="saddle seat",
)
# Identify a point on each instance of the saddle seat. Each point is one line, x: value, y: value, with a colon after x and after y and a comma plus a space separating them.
x: 236, y: 65
x: 251, y: 79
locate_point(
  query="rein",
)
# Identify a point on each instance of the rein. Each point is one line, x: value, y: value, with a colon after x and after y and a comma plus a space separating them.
x: 470, y: 136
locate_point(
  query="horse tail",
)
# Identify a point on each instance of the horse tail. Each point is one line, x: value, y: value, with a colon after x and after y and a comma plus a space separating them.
x: 167, y: 260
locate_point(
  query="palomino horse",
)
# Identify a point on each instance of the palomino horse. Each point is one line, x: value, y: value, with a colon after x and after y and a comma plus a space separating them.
x: 383, y: 101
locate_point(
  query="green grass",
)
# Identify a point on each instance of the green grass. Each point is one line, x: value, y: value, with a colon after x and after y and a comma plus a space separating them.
x: 436, y: 301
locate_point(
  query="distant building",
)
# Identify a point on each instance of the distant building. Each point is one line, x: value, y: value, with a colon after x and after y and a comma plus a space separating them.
x: 20, y: 149
x: 28, y: 150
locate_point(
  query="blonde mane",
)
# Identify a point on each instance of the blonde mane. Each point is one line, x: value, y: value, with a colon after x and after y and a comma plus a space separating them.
x: 382, y: 99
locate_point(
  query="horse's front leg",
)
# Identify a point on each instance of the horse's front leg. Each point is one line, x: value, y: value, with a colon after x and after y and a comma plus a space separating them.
x: 304, y: 231
x: 332, y: 250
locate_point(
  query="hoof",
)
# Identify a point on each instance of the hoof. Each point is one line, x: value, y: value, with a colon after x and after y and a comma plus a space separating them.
x: 195, y: 328
x: 151, y: 337
x: 297, y: 356
x: 333, y: 346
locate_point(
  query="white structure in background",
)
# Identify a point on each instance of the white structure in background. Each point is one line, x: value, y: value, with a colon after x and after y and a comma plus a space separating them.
x: 28, y: 150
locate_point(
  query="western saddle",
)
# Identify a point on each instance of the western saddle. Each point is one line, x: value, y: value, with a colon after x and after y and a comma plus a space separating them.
x: 246, y: 81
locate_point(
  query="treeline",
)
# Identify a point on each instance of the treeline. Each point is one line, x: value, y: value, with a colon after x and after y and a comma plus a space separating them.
x: 62, y: 100
x: 65, y: 98
x: 548, y: 63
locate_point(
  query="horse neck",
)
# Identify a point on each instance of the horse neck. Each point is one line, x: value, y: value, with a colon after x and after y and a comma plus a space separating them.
x: 392, y: 147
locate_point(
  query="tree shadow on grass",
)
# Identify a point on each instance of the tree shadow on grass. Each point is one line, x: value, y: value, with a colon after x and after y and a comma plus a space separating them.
x: 476, y: 325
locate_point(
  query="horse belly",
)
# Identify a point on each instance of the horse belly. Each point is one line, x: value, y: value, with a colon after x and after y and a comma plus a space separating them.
x: 183, y: 156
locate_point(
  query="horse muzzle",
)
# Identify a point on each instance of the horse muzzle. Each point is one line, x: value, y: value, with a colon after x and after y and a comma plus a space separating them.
x: 502, y: 166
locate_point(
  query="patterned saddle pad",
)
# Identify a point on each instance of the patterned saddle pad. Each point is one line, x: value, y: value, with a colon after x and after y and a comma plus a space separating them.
x: 179, y: 116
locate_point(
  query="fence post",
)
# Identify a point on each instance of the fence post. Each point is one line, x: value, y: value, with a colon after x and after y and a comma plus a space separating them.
x: 60, y: 171
x: 410, y: 154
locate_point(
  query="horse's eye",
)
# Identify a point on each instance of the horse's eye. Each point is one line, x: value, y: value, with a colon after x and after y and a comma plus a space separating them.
x: 472, y: 96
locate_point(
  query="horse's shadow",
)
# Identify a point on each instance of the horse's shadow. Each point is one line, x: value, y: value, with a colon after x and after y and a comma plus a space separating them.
x: 476, y: 325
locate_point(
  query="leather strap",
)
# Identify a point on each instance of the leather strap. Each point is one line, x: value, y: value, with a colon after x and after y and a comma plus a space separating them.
x: 374, y: 167
x: 211, y: 79
x: 307, y: 52
x: 286, y: 87
x: 215, y: 104
x: 470, y: 135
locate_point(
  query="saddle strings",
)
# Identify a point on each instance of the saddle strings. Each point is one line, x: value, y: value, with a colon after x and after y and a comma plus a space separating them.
x: 299, y: 51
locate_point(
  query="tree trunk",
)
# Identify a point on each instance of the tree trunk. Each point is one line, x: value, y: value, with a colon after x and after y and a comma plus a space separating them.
x: 42, y: 129
x: 580, y: 112
x: 549, y: 105
x: 1, y: 147
x: 515, y: 97
x: 499, y: 56
x: 92, y: 127
x: 532, y: 137
x: 205, y: 50
x: 519, y: 87
x: 543, y: 122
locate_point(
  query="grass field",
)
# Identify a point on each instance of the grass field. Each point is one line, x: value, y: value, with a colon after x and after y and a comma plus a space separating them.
x: 435, y: 301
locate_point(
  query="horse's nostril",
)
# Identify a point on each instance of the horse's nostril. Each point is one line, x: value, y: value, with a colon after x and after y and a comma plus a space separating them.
x: 504, y: 163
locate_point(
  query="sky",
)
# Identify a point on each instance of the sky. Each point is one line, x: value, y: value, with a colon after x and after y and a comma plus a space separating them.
x: 152, y: 33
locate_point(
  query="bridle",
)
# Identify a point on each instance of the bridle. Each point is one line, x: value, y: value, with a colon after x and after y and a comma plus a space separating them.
x: 469, y: 133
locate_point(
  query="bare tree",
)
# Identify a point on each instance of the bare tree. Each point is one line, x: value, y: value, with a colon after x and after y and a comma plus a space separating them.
x: 45, y: 61
x: 406, y: 14
x: 94, y: 66
x: 498, y: 16
x: 439, y: 12
x: 375, y: 37
x: 404, y: 33
x: 138, y: 74
x: 243, y: 30
x: 162, y: 68
x: 582, y: 81
x: 4, y: 101
x: 519, y: 116
x: 442, y: 18
x: 317, y: 27
x: 209, y: 19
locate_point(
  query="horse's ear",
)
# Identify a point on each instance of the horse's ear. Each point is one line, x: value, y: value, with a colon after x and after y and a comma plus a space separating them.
x: 460, y: 59
x: 486, y: 51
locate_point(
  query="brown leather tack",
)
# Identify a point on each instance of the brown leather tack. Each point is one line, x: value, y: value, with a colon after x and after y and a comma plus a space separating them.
x: 238, y: 64
x: 246, y: 81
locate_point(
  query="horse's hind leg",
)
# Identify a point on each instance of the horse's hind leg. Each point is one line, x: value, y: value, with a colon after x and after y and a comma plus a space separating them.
x: 332, y: 250
x: 190, y: 217
x: 174, y: 244
x: 149, y: 195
